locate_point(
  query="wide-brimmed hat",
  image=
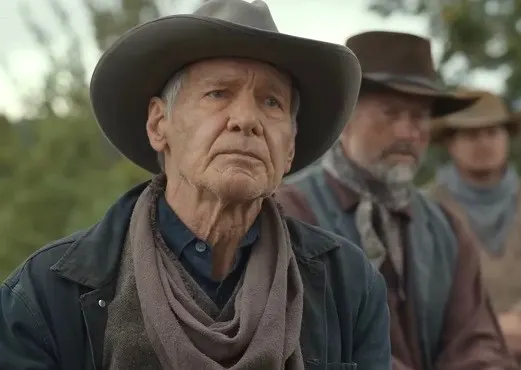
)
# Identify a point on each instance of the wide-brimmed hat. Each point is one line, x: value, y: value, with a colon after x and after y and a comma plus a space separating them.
x: 403, y: 62
x: 139, y: 64
x: 488, y: 111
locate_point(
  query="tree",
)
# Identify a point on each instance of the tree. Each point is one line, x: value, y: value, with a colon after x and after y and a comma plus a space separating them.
x: 111, y: 21
x: 58, y: 173
x: 482, y: 33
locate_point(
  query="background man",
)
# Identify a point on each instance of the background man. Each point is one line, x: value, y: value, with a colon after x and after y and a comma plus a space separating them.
x: 362, y: 189
x: 482, y: 188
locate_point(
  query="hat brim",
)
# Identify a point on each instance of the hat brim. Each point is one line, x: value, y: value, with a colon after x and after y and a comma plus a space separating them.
x: 445, y: 102
x: 445, y: 127
x: 137, y: 66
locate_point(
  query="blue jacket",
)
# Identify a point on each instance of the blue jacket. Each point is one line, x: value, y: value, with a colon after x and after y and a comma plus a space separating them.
x: 53, y: 309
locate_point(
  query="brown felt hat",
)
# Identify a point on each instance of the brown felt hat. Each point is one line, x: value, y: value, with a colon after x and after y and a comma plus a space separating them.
x: 138, y: 65
x: 403, y: 62
x: 488, y: 111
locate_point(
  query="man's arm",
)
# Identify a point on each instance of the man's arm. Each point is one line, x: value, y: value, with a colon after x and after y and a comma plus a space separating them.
x: 24, y: 338
x: 471, y: 338
x: 373, y: 351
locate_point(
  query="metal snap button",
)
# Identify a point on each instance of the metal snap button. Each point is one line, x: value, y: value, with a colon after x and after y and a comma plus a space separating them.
x: 200, y: 247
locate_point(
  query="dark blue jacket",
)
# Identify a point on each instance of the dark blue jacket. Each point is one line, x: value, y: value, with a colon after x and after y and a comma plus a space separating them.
x: 53, y: 309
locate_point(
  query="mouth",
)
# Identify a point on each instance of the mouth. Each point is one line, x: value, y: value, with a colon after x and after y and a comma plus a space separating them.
x: 241, y: 153
x: 401, y: 155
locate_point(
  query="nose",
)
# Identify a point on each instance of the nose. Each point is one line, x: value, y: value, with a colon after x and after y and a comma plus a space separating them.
x: 244, y: 115
x: 407, y: 127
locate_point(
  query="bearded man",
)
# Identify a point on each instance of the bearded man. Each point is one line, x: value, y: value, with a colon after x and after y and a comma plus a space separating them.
x: 362, y: 189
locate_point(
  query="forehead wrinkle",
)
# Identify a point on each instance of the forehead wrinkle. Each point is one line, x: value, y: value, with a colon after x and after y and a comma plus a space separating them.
x: 222, y: 80
x: 220, y: 73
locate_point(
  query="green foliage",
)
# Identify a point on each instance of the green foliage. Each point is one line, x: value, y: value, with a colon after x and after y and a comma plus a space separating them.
x: 484, y: 32
x: 58, y: 174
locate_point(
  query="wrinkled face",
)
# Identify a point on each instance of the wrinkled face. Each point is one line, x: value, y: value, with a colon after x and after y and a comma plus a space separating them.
x: 388, y: 134
x: 230, y: 129
x: 480, y: 150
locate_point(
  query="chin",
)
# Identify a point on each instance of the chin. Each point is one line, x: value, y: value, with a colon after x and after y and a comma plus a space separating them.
x: 241, y: 187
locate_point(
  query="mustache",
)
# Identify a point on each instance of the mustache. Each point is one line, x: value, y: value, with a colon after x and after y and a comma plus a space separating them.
x: 401, y: 147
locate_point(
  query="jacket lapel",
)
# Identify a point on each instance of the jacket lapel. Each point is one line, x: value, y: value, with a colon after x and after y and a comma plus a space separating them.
x: 420, y: 277
x: 94, y: 305
x: 92, y: 262
x: 309, y: 248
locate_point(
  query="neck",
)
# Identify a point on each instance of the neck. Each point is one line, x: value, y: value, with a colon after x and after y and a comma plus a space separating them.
x: 220, y: 223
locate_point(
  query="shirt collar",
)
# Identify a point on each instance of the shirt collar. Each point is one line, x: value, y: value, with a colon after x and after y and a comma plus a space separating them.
x: 177, y: 235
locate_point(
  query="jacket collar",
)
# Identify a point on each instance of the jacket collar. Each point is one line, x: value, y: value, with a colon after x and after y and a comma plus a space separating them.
x: 92, y: 260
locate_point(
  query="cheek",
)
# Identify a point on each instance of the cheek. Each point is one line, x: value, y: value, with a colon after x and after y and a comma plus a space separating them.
x: 205, y: 133
x: 500, y: 151
x: 375, y: 133
x: 371, y: 138
x: 191, y: 139
x: 503, y: 145
x: 279, y: 143
x: 466, y: 152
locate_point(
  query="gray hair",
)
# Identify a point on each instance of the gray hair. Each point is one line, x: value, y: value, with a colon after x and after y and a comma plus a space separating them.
x: 173, y: 86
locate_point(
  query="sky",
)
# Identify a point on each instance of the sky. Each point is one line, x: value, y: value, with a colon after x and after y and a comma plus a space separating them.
x: 23, y: 65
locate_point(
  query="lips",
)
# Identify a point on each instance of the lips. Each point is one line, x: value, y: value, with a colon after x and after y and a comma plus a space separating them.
x: 242, y: 152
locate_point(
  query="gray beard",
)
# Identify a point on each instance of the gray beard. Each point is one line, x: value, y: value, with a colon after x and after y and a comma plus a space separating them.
x: 386, y: 184
x: 393, y: 175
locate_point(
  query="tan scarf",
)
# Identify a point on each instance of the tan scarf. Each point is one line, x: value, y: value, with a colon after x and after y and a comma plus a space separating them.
x: 375, y: 195
x: 261, y: 331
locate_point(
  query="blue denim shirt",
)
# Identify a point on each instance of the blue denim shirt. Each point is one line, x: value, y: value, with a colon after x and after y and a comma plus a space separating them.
x: 196, y: 255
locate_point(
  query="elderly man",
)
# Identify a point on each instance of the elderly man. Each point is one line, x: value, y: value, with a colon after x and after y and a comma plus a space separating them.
x: 483, y: 189
x: 362, y: 189
x: 199, y: 269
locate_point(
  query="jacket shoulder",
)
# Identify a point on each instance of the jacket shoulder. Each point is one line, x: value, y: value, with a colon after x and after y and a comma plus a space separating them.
x: 345, y: 259
x: 38, y: 265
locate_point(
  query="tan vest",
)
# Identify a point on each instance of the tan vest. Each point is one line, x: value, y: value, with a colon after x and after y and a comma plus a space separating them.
x: 501, y: 273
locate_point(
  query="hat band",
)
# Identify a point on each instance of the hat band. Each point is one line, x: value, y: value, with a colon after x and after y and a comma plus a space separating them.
x: 418, y: 81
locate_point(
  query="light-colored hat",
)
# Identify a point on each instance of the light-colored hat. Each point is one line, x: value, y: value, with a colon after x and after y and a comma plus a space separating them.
x: 488, y: 111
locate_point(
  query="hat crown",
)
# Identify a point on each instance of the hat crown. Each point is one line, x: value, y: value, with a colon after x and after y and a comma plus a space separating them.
x: 394, y: 53
x: 255, y: 14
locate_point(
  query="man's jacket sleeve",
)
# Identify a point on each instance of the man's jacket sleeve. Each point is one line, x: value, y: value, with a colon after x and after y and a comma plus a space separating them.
x: 373, y: 351
x: 24, y: 337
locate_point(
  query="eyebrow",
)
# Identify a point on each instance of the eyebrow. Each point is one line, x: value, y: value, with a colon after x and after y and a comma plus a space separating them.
x: 277, y: 89
x: 220, y: 80
x: 224, y: 80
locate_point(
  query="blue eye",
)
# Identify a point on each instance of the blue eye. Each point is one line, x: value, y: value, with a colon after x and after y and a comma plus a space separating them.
x: 216, y: 94
x: 272, y: 102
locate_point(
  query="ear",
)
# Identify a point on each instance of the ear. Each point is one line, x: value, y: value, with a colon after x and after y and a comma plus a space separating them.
x: 156, y: 124
x: 290, y: 156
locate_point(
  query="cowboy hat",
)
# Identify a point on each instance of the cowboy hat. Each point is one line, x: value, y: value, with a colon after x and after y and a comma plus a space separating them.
x: 488, y: 111
x: 403, y: 62
x: 138, y: 65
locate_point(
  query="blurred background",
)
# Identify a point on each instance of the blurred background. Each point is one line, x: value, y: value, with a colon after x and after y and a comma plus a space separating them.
x: 58, y: 174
